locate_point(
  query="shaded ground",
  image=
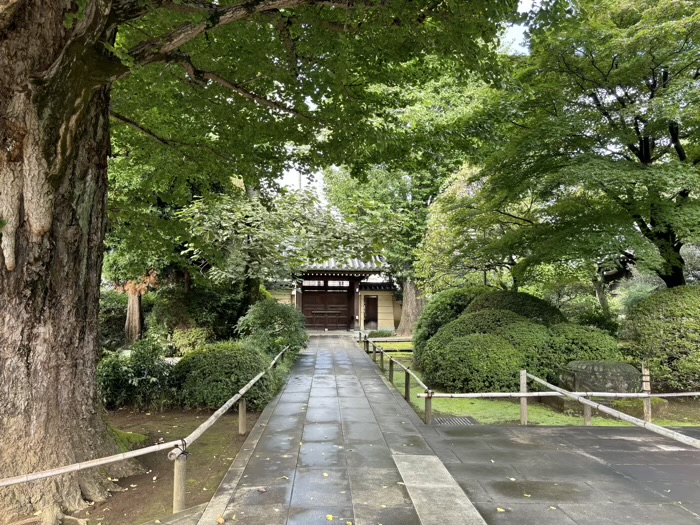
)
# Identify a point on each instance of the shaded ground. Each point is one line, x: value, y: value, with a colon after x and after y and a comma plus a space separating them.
x: 572, y: 476
x: 149, y: 496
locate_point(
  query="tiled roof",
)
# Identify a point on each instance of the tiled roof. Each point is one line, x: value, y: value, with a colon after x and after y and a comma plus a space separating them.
x: 375, y: 264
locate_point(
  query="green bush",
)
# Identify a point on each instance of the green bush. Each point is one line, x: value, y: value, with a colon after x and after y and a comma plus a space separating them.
x: 380, y: 333
x: 483, y: 322
x: 571, y: 342
x: 273, y: 325
x: 442, y: 308
x: 188, y: 339
x: 524, y: 304
x: 665, y: 331
x: 532, y: 340
x: 210, y: 306
x: 112, y: 319
x: 474, y: 363
x: 140, y: 378
x: 211, y: 375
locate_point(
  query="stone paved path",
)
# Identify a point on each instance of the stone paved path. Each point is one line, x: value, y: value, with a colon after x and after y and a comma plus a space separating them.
x: 573, y: 475
x: 328, y: 449
x: 340, y: 443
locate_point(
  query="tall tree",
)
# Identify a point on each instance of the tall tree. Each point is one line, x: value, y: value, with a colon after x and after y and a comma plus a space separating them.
x: 601, y: 125
x: 60, y: 60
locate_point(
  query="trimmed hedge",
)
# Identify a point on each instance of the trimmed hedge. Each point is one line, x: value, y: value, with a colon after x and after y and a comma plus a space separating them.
x: 208, y: 377
x: 442, y: 308
x: 524, y: 304
x: 484, y: 322
x: 665, y: 331
x: 532, y: 340
x: 474, y: 363
x: 380, y: 333
x: 572, y: 342
x: 273, y: 326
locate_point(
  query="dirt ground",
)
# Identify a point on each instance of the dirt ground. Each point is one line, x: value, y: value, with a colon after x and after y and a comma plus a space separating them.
x: 149, y: 496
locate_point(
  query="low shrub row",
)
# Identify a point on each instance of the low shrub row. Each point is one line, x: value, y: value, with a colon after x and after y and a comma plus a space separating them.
x: 209, y: 373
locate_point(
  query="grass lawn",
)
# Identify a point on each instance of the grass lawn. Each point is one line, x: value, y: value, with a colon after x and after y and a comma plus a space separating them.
x: 391, y: 346
x: 507, y: 412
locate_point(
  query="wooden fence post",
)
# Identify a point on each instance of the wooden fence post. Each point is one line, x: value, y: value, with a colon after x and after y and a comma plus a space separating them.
x: 381, y: 360
x: 374, y: 352
x: 407, y: 387
x: 523, y: 400
x: 587, y: 415
x: 242, y: 416
x: 366, y: 345
x: 646, y: 388
x: 391, y: 369
x: 429, y: 408
x: 179, y: 482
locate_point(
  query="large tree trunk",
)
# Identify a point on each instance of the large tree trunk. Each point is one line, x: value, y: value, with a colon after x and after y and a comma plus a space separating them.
x: 673, y: 270
x: 54, y: 142
x: 411, y: 309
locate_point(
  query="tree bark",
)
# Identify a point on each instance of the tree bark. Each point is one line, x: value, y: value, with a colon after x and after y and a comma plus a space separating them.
x: 411, y: 309
x: 54, y: 143
x: 133, y: 327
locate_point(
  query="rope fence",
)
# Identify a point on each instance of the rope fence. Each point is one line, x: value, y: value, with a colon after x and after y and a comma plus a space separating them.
x: 178, y: 448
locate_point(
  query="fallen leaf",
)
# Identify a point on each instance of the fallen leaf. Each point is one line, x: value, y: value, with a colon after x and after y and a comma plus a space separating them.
x: 512, y: 479
x: 329, y: 517
x: 552, y: 508
x: 220, y: 520
x: 262, y: 490
x: 499, y: 509
x: 526, y: 495
x: 325, y: 474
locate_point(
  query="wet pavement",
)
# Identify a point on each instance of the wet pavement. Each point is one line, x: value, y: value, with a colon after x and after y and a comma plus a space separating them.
x: 340, y: 445
x: 326, y: 448
x: 572, y: 475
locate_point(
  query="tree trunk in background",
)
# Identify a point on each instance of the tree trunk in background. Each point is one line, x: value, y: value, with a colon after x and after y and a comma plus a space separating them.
x: 133, y: 328
x: 411, y: 309
x: 54, y: 143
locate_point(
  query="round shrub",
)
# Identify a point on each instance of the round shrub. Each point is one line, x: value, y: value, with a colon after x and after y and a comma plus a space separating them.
x: 484, y: 322
x: 572, y: 342
x: 211, y: 375
x: 665, y: 331
x: 532, y: 340
x: 524, y: 304
x: 474, y: 363
x: 274, y: 325
x: 442, y: 308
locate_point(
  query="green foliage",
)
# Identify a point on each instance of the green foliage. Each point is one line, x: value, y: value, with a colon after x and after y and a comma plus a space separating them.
x: 524, y: 304
x: 595, y: 317
x: 474, y: 363
x: 665, y: 329
x: 211, y: 375
x: 442, y: 308
x: 273, y: 326
x: 484, y: 322
x: 188, y: 339
x: 532, y: 340
x: 571, y: 342
x: 141, y: 378
x: 112, y: 319
x: 380, y: 333
x: 216, y: 308
x: 586, y: 138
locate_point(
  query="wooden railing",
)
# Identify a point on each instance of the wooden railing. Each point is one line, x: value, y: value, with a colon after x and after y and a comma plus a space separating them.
x: 408, y: 373
x: 178, y: 448
x: 588, y: 404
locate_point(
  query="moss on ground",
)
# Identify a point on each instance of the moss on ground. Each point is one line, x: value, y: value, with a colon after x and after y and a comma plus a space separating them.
x: 127, y: 441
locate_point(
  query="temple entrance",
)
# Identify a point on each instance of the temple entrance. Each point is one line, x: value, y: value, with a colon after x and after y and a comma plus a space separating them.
x: 371, y: 312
